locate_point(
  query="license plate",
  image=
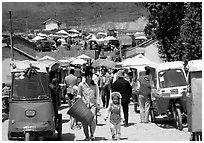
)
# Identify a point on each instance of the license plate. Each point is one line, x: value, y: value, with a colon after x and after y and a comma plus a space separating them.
x: 174, y: 91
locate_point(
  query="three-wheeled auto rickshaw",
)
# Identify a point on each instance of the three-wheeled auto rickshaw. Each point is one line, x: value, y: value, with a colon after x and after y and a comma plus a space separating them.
x: 169, y: 91
x: 194, y: 99
x: 33, y: 101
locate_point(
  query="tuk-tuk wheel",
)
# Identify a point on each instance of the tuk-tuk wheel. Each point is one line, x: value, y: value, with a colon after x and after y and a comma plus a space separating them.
x: 27, y: 136
x: 152, y: 115
x: 196, y: 136
x: 9, y: 136
x: 178, y: 118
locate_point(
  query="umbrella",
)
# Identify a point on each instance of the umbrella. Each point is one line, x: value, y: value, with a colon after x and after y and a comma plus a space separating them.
x: 41, y: 35
x: 83, y: 57
x: 96, y: 63
x: 62, y: 32
x: 108, y: 63
x: 141, y: 38
x: 37, y: 38
x: 78, y: 62
x: 73, y: 31
x: 110, y: 38
x: 90, y: 36
x: 102, y: 33
x: 71, y: 59
x: 46, y: 58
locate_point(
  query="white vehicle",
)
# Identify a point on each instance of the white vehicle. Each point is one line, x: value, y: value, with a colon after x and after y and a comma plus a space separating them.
x: 169, y: 88
x: 194, y: 99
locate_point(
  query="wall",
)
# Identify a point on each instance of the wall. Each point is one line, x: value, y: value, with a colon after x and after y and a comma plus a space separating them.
x: 151, y: 52
x: 51, y: 26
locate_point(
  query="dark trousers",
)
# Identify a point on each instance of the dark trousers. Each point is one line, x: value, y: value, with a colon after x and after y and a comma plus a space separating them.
x: 105, y: 96
x: 125, y: 106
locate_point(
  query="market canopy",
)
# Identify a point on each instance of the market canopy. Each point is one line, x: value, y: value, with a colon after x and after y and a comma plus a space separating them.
x: 139, y: 60
x: 42, y: 65
x: 78, y: 62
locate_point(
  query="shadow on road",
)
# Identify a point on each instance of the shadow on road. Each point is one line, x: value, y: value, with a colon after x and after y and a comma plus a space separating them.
x: 65, y: 120
x: 68, y: 137
x: 63, y: 107
x: 100, y: 124
x: 168, y: 123
x: 100, y: 139
x: 97, y: 139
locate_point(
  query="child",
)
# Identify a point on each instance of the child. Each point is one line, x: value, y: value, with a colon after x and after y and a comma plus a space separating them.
x: 114, y: 110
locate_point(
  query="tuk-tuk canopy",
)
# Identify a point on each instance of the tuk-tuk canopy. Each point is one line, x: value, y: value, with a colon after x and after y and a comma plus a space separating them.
x: 42, y: 65
x: 169, y: 65
x: 195, y: 65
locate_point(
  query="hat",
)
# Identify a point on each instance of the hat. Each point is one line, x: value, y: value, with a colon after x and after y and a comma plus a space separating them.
x: 116, y: 94
x: 120, y: 73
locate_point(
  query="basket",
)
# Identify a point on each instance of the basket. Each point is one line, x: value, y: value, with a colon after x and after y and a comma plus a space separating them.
x: 81, y: 112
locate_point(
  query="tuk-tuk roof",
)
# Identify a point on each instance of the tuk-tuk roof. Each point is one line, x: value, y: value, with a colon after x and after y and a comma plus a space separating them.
x: 167, y: 65
x: 42, y: 65
x: 195, y: 65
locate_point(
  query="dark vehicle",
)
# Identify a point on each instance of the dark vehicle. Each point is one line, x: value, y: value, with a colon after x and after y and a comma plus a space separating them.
x: 33, y: 108
x: 45, y: 46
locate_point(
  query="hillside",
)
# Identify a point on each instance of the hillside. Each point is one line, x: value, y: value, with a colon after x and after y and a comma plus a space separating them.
x: 72, y: 13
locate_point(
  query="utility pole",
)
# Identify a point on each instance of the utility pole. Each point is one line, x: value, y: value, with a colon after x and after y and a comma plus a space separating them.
x: 27, y: 25
x: 81, y: 25
x: 11, y: 36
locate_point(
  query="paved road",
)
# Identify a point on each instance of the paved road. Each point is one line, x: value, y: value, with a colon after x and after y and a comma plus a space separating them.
x: 163, y: 131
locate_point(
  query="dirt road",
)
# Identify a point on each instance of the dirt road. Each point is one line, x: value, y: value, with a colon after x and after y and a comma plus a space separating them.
x: 163, y: 131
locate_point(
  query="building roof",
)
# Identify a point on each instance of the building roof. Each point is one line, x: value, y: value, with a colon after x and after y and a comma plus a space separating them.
x: 147, y: 43
x: 51, y: 20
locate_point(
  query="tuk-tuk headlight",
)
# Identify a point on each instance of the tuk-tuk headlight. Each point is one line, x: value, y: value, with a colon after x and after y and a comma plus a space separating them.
x: 30, y: 113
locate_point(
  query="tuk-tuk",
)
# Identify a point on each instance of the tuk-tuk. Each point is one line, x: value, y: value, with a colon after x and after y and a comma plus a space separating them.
x: 169, y: 91
x: 194, y: 99
x: 33, y: 107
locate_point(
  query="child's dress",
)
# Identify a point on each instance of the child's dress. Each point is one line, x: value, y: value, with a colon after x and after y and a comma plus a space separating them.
x: 115, y: 111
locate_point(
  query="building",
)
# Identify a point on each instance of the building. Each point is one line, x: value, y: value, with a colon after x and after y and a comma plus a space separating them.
x: 22, y: 50
x: 148, y: 48
x: 51, y: 24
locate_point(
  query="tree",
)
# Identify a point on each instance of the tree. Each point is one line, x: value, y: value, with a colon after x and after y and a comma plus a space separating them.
x: 165, y: 22
x: 190, y: 40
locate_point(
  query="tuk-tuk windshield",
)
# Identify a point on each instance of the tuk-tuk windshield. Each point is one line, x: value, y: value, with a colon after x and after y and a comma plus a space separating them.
x: 172, y: 78
x: 33, y: 88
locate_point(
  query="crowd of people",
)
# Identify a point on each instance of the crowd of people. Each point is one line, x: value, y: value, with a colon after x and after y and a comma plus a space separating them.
x: 111, y: 90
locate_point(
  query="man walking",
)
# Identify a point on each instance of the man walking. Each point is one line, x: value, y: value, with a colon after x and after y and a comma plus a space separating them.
x: 123, y: 86
x: 70, y: 81
x: 144, y: 98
